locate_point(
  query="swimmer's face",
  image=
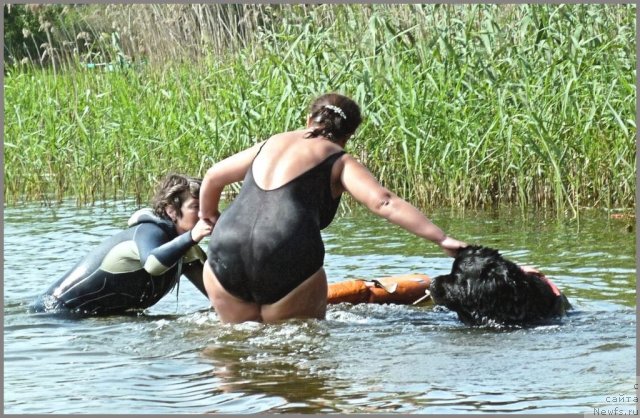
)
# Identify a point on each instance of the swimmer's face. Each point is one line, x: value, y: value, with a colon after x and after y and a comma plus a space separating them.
x: 189, y: 217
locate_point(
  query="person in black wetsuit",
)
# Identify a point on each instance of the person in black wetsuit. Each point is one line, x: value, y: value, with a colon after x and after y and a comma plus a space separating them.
x: 135, y: 268
x: 266, y: 253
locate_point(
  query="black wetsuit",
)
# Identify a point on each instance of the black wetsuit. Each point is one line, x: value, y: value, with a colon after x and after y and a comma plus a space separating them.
x: 133, y: 269
x: 268, y: 241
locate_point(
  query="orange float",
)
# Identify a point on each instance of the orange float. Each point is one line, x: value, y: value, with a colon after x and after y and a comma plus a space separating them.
x: 410, y: 289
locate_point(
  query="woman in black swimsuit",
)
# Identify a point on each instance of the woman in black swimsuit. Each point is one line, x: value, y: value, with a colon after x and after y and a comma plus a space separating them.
x: 136, y: 267
x: 266, y: 253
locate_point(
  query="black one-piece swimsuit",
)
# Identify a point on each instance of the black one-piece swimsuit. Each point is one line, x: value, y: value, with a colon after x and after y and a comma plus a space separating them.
x: 268, y: 241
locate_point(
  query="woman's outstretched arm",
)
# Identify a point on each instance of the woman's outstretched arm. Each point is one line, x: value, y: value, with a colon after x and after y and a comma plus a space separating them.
x: 363, y: 186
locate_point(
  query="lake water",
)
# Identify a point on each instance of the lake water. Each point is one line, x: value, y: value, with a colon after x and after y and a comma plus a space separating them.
x: 178, y: 358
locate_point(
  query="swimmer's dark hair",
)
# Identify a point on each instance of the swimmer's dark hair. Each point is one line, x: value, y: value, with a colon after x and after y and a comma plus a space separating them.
x: 173, y: 191
x: 334, y: 124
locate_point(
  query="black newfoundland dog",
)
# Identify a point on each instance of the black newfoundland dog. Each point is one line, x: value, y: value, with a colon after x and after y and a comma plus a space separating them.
x: 483, y: 288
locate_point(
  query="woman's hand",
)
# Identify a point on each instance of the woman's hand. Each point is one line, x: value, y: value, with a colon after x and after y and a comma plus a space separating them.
x: 451, y: 246
x: 201, y: 229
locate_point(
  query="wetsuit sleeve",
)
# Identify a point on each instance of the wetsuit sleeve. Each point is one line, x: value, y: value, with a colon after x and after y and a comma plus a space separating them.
x: 192, y: 268
x: 156, y: 254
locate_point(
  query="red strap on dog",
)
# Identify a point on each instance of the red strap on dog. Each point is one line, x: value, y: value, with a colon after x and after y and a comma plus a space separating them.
x: 554, y: 288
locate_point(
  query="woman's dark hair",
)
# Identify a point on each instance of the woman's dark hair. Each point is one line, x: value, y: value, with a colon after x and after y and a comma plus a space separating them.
x: 334, y: 116
x: 173, y: 191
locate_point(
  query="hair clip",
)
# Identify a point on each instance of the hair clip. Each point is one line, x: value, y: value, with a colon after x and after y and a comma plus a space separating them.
x: 337, y: 110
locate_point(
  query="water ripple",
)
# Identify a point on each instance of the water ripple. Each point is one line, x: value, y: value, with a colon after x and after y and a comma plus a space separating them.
x: 178, y: 358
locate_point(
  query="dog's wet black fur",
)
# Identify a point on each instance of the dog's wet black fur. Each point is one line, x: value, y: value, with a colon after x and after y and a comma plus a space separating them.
x: 484, y: 288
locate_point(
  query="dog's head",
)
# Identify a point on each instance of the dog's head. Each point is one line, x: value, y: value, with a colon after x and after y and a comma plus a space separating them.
x: 484, y: 288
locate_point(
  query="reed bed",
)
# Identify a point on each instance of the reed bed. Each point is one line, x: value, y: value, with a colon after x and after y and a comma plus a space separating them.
x: 464, y: 106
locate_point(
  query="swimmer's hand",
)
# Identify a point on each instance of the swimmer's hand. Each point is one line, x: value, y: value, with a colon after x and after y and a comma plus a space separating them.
x: 210, y: 219
x: 451, y: 246
x: 531, y: 270
x: 200, y: 230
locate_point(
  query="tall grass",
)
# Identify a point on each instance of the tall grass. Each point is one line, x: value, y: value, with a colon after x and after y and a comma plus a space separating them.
x: 464, y: 105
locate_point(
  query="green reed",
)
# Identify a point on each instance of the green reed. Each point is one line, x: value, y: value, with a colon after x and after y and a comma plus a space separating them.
x: 464, y: 105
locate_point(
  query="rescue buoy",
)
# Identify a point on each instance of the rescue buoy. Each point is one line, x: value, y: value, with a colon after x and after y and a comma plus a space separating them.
x: 401, y: 290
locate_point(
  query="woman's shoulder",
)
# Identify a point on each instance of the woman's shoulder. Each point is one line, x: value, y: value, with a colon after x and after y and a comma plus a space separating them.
x: 146, y: 221
x: 294, y: 144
